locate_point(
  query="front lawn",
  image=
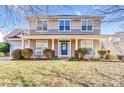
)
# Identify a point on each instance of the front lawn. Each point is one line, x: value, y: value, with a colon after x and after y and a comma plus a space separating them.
x: 2, y: 54
x: 61, y: 74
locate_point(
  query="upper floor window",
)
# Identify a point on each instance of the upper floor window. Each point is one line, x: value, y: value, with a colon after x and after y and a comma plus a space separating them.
x: 42, y: 25
x: 64, y: 25
x: 87, y: 25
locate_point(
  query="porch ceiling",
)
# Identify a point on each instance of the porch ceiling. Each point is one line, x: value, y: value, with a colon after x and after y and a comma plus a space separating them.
x: 66, y: 37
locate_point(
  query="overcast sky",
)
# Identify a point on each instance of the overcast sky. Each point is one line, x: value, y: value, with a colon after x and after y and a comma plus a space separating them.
x: 106, y: 28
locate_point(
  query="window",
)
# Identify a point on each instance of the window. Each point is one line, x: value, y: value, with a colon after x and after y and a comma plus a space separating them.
x: 86, y: 25
x: 42, y: 25
x: 64, y: 25
x: 40, y: 46
x: 87, y: 44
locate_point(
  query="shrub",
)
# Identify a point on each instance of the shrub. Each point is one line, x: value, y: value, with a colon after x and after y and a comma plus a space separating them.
x: 114, y: 58
x: 16, y: 54
x: 102, y: 53
x: 49, y: 53
x: 108, y: 56
x: 54, y: 57
x: 76, y: 53
x: 4, y: 47
x: 53, y: 54
x: 2, y: 54
x: 81, y: 52
x: 27, y: 53
x: 73, y: 59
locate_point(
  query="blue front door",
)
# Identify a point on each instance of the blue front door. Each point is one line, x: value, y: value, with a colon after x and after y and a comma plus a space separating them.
x: 64, y: 48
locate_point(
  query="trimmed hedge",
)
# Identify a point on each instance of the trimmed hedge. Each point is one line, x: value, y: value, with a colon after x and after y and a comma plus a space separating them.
x: 74, y: 59
x: 102, y: 53
x: 27, y: 53
x: 16, y: 54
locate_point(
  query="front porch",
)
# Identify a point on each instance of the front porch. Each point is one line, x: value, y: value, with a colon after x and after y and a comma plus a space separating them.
x: 64, y: 45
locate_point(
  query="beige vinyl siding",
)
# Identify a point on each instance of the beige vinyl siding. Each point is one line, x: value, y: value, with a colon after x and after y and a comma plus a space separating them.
x: 79, y: 43
x: 53, y: 24
x: 74, y: 23
x: 96, y: 24
x: 72, y: 47
x: 96, y: 44
x: 50, y: 44
x: 33, y: 44
x: 56, y: 46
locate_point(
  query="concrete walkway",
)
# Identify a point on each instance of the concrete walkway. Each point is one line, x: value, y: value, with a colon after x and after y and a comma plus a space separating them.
x: 5, y: 59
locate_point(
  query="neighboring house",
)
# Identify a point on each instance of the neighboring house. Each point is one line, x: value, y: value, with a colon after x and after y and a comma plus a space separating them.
x: 64, y: 34
x: 116, y: 44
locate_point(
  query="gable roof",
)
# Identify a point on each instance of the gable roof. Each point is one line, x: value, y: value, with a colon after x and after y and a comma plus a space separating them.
x: 16, y: 33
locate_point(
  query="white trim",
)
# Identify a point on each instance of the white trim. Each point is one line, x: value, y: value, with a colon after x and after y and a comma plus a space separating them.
x: 37, y: 25
x: 27, y: 43
x: 87, y: 40
x: 23, y: 42
x: 76, y: 43
x: 64, y: 23
x: 14, y: 38
x: 53, y: 44
x: 69, y: 48
x: 100, y: 44
x: 37, y: 44
x: 87, y: 21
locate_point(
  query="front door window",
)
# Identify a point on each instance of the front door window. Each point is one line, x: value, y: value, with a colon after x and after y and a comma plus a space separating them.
x: 64, y: 48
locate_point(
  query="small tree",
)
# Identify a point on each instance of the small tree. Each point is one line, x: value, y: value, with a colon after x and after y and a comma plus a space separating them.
x: 81, y: 52
x: 4, y: 47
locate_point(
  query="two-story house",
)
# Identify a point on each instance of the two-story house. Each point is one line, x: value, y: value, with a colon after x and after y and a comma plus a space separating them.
x: 62, y: 33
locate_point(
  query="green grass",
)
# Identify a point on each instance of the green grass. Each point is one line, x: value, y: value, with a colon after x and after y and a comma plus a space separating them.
x: 2, y: 54
x: 61, y: 74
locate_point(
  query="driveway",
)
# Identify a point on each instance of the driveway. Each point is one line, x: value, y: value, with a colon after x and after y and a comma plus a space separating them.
x: 5, y: 58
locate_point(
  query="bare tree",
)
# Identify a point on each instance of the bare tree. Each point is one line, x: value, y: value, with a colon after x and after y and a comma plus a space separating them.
x: 15, y: 14
x: 116, y: 14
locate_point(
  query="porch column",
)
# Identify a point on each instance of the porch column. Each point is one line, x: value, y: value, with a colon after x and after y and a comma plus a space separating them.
x: 107, y: 43
x: 52, y: 43
x: 22, y: 43
x: 76, y: 44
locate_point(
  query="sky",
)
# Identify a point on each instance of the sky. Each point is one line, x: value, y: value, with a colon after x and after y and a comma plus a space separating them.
x: 18, y: 20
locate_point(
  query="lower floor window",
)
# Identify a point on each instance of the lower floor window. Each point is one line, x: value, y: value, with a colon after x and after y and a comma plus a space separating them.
x: 40, y: 46
x: 87, y: 44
